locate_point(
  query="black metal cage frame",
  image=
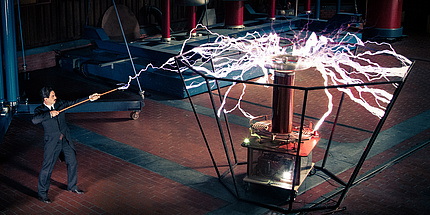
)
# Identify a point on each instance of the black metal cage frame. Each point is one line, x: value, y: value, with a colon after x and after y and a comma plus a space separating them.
x: 234, y: 163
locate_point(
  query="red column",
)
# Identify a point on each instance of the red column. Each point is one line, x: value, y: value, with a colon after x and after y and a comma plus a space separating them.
x: 385, y: 14
x: 234, y: 14
x: 308, y: 6
x: 165, y: 28
x: 272, y: 10
x: 191, y: 12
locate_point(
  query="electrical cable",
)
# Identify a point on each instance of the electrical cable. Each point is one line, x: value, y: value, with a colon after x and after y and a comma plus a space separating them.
x: 24, y: 65
x: 88, y: 12
x: 207, y: 14
x: 128, y: 50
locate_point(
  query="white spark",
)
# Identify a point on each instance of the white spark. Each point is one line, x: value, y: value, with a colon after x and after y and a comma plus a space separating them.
x: 253, y: 51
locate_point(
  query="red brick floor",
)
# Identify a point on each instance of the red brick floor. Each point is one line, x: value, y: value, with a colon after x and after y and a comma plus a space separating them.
x: 112, y: 185
x: 118, y: 185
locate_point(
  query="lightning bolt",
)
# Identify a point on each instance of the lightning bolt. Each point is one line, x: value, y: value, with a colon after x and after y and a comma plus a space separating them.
x: 329, y: 57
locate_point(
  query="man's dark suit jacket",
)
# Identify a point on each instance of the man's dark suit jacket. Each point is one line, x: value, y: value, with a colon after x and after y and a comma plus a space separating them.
x: 55, y: 126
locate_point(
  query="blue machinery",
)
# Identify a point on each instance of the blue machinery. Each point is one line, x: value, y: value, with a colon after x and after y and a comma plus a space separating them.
x: 9, y: 91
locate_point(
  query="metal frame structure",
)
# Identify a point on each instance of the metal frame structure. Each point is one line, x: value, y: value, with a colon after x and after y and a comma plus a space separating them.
x: 233, y: 164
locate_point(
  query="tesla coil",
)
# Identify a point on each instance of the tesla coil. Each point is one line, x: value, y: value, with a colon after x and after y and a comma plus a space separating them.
x: 279, y: 152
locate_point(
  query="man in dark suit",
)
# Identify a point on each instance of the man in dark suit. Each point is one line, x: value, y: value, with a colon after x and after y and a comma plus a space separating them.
x: 57, y: 139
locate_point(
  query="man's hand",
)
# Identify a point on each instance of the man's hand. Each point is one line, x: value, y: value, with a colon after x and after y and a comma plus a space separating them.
x: 54, y: 113
x: 94, y: 97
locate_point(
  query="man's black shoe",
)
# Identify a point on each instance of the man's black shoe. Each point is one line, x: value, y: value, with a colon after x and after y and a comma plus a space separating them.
x: 44, y: 199
x: 77, y: 191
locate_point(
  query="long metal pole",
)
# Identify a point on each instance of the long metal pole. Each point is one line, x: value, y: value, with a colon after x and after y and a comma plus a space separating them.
x: 297, y: 165
x: 332, y: 131
x: 74, y: 105
x: 336, y: 119
x: 227, y: 125
x: 225, y: 117
x: 197, y: 118
x: 222, y: 137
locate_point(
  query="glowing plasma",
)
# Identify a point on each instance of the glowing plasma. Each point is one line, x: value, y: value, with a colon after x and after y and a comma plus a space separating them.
x: 329, y: 57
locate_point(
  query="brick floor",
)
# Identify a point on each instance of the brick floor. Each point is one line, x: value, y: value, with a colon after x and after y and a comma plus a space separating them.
x: 112, y: 186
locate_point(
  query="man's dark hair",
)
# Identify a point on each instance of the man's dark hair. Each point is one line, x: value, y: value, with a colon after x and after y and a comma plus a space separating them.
x: 45, y: 92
